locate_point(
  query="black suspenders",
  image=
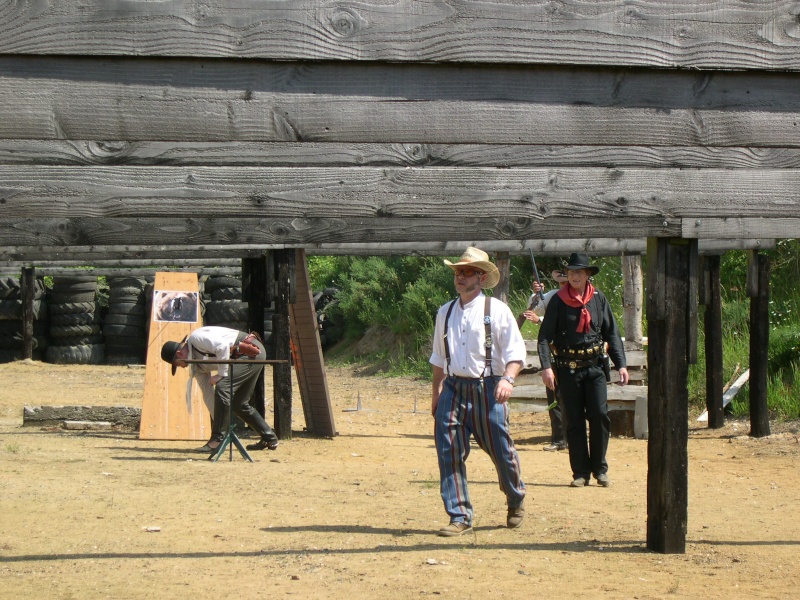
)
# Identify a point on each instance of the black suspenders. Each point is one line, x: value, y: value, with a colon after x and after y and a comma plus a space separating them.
x: 487, y: 340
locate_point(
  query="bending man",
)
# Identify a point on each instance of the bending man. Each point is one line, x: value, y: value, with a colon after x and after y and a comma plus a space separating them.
x: 216, y: 343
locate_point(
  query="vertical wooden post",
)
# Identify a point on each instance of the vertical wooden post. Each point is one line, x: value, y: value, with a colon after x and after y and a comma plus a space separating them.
x: 504, y: 266
x: 282, y: 373
x: 632, y: 300
x: 254, y: 286
x: 668, y: 297
x: 759, y: 342
x: 712, y: 299
x: 27, y: 284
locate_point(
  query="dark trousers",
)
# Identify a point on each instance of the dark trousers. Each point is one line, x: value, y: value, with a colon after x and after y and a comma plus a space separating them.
x: 245, y: 377
x: 585, y: 398
x: 556, y: 418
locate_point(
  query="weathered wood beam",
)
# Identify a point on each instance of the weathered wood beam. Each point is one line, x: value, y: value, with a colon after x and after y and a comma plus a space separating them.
x: 296, y: 207
x: 341, y: 154
x: 303, y: 232
x: 125, y: 271
x: 152, y: 264
x: 13, y: 258
x: 56, y: 98
x: 742, y: 227
x: 687, y: 33
x: 11, y: 254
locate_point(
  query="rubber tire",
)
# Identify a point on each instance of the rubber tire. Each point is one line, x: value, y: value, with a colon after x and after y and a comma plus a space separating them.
x: 57, y: 331
x: 76, y: 355
x: 68, y: 308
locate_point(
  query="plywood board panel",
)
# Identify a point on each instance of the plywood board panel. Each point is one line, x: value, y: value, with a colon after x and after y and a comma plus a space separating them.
x: 166, y: 414
x: 307, y: 352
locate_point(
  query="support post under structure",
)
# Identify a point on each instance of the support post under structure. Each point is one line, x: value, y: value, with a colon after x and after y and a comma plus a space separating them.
x: 632, y: 296
x: 668, y: 352
x: 501, y: 290
x: 759, y: 343
x: 712, y: 324
x: 284, y: 264
x: 27, y: 284
x: 254, y: 292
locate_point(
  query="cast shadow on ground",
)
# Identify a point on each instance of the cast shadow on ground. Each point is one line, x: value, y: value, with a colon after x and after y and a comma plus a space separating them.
x: 469, y: 540
x: 106, y: 435
x: 445, y: 544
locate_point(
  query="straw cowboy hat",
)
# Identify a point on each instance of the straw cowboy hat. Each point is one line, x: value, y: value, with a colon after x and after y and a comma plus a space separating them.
x: 581, y: 261
x: 478, y: 259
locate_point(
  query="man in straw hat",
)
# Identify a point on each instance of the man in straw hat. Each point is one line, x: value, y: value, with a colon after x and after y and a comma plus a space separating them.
x: 572, y: 338
x: 477, y: 352
x: 535, y: 315
x: 220, y: 343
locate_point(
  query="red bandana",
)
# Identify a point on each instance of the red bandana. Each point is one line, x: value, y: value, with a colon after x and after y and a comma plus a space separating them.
x: 571, y: 298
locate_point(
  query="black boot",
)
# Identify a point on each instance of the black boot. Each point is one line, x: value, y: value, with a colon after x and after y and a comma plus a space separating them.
x: 264, y: 443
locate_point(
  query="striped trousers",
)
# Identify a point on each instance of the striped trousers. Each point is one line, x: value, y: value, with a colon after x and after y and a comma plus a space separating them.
x: 467, y: 408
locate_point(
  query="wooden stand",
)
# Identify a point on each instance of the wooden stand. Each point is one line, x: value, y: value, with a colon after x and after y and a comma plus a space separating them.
x: 165, y: 412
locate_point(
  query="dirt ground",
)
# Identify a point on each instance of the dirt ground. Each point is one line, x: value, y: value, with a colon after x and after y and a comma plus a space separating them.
x: 102, y: 514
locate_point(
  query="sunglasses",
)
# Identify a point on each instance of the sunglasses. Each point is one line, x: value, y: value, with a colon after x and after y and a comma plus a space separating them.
x: 468, y: 272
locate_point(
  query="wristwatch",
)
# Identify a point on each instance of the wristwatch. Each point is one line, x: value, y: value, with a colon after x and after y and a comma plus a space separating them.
x: 508, y: 378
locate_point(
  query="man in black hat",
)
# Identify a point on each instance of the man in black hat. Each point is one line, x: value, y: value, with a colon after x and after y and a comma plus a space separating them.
x: 572, y: 338
x: 219, y: 343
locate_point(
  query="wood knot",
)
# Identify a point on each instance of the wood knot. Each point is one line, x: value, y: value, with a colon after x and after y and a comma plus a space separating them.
x: 346, y: 22
x: 108, y: 150
x: 416, y: 153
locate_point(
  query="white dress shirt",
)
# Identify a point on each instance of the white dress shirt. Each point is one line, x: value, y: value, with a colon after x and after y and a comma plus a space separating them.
x: 466, y: 335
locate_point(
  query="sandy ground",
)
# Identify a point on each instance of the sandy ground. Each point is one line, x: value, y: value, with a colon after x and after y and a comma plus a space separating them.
x: 106, y: 515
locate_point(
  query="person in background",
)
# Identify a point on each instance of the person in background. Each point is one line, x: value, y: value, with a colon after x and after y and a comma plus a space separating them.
x: 572, y: 338
x: 557, y: 439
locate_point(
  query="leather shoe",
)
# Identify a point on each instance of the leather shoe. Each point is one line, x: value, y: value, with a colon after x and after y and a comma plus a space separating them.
x: 555, y: 446
x: 263, y: 444
x: 211, y: 446
x: 455, y: 528
x: 579, y: 482
x: 516, y: 515
x: 603, y: 480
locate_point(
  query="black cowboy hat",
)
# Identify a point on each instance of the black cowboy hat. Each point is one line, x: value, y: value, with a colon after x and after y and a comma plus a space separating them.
x: 581, y: 261
x: 169, y: 350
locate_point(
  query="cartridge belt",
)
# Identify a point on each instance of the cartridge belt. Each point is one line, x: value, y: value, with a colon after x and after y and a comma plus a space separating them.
x: 579, y: 353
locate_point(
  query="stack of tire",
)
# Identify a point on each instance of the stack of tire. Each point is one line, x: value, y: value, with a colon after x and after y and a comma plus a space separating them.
x: 75, y: 331
x: 223, y: 303
x: 125, y: 323
x: 11, y: 320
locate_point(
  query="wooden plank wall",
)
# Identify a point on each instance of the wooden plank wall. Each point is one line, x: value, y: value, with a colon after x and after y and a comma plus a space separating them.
x: 185, y: 127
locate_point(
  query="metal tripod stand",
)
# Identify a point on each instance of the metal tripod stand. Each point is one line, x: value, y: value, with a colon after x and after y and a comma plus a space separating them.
x: 231, y: 439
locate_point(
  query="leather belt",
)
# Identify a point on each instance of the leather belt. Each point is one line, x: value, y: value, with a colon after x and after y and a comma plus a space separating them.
x: 577, y: 364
